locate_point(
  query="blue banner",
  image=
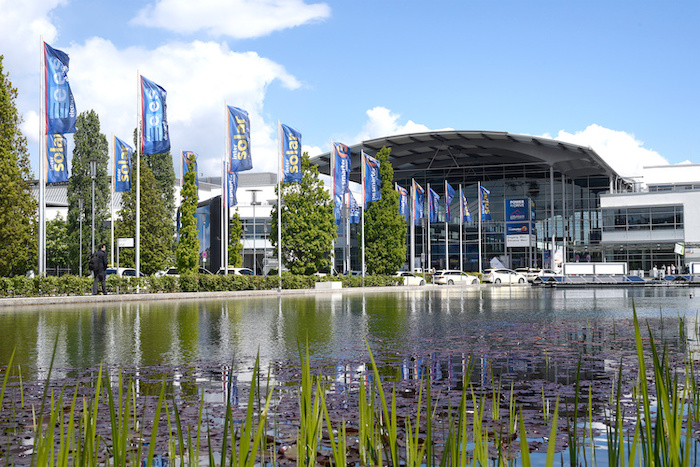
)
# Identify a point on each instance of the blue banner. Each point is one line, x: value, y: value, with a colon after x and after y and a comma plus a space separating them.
x: 449, y: 196
x: 373, y: 180
x: 485, y: 206
x: 239, y: 140
x: 154, y: 138
x: 338, y: 208
x: 433, y: 200
x: 291, y: 154
x: 123, y: 154
x: 57, y: 156
x: 59, y: 104
x: 403, y: 202
x: 355, y: 210
x: 466, y: 215
x: 418, y: 201
x: 231, y: 188
x: 341, y: 180
x: 189, y: 157
x: 518, y: 209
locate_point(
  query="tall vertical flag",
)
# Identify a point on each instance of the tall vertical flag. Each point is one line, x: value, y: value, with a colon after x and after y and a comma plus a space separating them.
x: 57, y: 159
x: 239, y: 140
x: 355, y: 210
x: 372, y: 180
x: 449, y: 196
x: 123, y: 159
x: 189, y: 157
x: 433, y: 200
x: 155, y: 138
x: 484, y: 203
x: 418, y: 200
x: 291, y: 154
x: 464, y: 209
x: 58, y: 99
x: 340, y: 161
x: 403, y: 202
x: 231, y: 188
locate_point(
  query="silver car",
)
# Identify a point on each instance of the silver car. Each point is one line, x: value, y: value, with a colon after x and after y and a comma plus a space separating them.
x: 410, y: 279
x: 503, y: 276
x: 454, y: 276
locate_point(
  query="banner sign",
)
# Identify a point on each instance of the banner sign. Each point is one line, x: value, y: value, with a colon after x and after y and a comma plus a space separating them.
x: 123, y: 154
x: 59, y: 104
x: 519, y: 234
x: 189, y: 157
x: 338, y: 208
x: 231, y: 188
x: 239, y: 140
x: 433, y: 200
x: 341, y: 154
x: 466, y: 215
x: 449, y: 196
x: 354, y: 209
x: 291, y: 154
x: 518, y: 209
x: 418, y: 201
x: 373, y: 180
x: 57, y: 156
x: 154, y: 138
x: 403, y: 202
x: 485, y: 206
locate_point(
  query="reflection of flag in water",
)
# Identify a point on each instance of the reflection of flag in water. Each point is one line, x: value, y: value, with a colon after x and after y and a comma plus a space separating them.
x: 57, y: 155
x: 354, y: 209
x: 58, y: 100
x: 466, y: 215
x: 189, y: 162
x: 418, y: 200
x: 122, y: 165
x: 485, y: 206
x: 154, y: 120
x: 433, y: 200
x: 239, y: 140
x: 449, y: 196
x: 231, y: 188
x: 403, y: 201
x: 372, y: 181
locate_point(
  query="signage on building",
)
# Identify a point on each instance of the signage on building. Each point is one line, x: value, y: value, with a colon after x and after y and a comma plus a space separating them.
x: 520, y: 214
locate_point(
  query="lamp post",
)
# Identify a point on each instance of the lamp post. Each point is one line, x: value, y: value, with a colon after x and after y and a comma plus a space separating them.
x: 93, y: 174
x: 253, y: 203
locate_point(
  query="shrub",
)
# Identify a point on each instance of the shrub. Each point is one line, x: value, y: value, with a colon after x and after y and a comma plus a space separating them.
x: 189, y: 282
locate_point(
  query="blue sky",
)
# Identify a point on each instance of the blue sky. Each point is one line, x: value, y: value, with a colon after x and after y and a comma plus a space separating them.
x: 619, y: 76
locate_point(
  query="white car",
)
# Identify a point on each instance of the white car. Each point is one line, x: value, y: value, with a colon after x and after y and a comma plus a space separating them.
x: 542, y: 274
x: 503, y: 276
x: 173, y: 272
x: 453, y: 276
x: 122, y: 272
x: 236, y: 271
x: 410, y: 278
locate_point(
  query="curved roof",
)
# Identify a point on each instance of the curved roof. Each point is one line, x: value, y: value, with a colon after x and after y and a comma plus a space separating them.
x: 465, y: 156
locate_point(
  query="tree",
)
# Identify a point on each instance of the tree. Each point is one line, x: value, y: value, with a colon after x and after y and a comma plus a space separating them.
x: 187, y: 252
x: 235, y: 246
x: 157, y: 233
x: 57, y: 250
x: 18, y: 208
x: 385, y: 227
x: 162, y: 167
x: 308, y: 223
x: 90, y: 144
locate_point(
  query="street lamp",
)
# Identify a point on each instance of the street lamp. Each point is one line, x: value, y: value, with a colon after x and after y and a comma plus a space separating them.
x: 253, y: 203
x: 93, y: 174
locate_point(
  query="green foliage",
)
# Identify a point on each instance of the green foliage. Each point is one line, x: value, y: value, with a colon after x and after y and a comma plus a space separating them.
x: 18, y: 209
x: 308, y: 223
x: 157, y: 232
x: 235, y: 245
x: 187, y: 252
x: 57, y: 251
x: 189, y: 282
x: 90, y: 144
x: 385, y: 227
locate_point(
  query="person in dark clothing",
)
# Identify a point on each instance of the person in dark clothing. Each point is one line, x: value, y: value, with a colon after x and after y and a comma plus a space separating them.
x: 100, y: 271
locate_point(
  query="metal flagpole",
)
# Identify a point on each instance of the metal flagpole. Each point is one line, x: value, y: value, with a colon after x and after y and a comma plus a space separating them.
x: 413, y: 226
x: 279, y: 210
x: 364, y: 206
x: 480, y: 208
x: 222, y: 256
x: 332, y: 153
x: 41, y: 267
x: 347, y: 231
x: 139, y: 131
x: 111, y: 198
x: 430, y: 207
x: 461, y: 228
x: 447, y: 220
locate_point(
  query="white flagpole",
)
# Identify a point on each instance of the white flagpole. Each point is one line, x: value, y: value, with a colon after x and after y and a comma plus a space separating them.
x: 111, y: 197
x: 346, y: 206
x: 41, y: 267
x: 224, y: 224
x: 447, y: 232
x: 332, y: 161
x: 279, y: 209
x: 139, y: 132
x: 430, y: 207
x: 480, y: 208
x: 461, y: 227
x: 413, y: 226
x: 364, y: 207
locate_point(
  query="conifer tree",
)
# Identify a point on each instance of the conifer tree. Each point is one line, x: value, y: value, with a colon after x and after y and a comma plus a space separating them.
x: 187, y: 251
x: 18, y: 208
x: 235, y: 245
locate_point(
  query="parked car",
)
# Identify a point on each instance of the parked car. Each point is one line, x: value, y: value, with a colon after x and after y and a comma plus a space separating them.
x: 503, y: 275
x: 542, y: 274
x: 236, y: 271
x: 173, y: 272
x: 454, y: 276
x: 410, y: 279
x: 123, y: 272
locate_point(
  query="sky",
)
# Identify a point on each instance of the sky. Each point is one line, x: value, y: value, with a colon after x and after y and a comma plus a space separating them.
x: 618, y: 76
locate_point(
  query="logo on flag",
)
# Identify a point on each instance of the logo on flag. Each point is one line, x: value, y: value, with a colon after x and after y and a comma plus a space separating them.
x: 291, y: 154
x: 355, y: 210
x: 231, y: 188
x: 485, y: 206
x: 337, y: 208
x: 154, y: 120
x: 433, y: 200
x: 373, y: 180
x: 466, y: 215
x: 403, y: 201
x: 418, y: 201
x: 341, y: 154
x: 449, y: 196
x: 122, y: 165
x: 57, y: 167
x: 239, y: 140
x: 59, y: 104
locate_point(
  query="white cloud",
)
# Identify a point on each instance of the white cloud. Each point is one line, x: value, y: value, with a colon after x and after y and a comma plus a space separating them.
x: 621, y: 150
x: 235, y: 18
x: 381, y: 122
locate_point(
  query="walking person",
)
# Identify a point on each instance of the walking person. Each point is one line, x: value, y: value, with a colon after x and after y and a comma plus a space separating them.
x: 98, y: 265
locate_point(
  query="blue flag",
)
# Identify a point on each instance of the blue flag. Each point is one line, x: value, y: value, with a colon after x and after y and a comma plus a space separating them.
x: 355, y: 210
x: 485, y: 206
x: 403, y: 202
x: 59, y: 104
x: 231, y: 188
x: 57, y: 155
x: 418, y: 201
x: 122, y: 165
x: 189, y: 157
x: 338, y: 208
x: 154, y: 138
x: 433, y: 200
x: 239, y: 140
x: 466, y: 215
x: 449, y: 196
x: 373, y: 180
x: 291, y: 154
x: 341, y: 179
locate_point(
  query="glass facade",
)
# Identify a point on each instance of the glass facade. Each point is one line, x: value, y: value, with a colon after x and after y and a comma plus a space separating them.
x: 643, y: 218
